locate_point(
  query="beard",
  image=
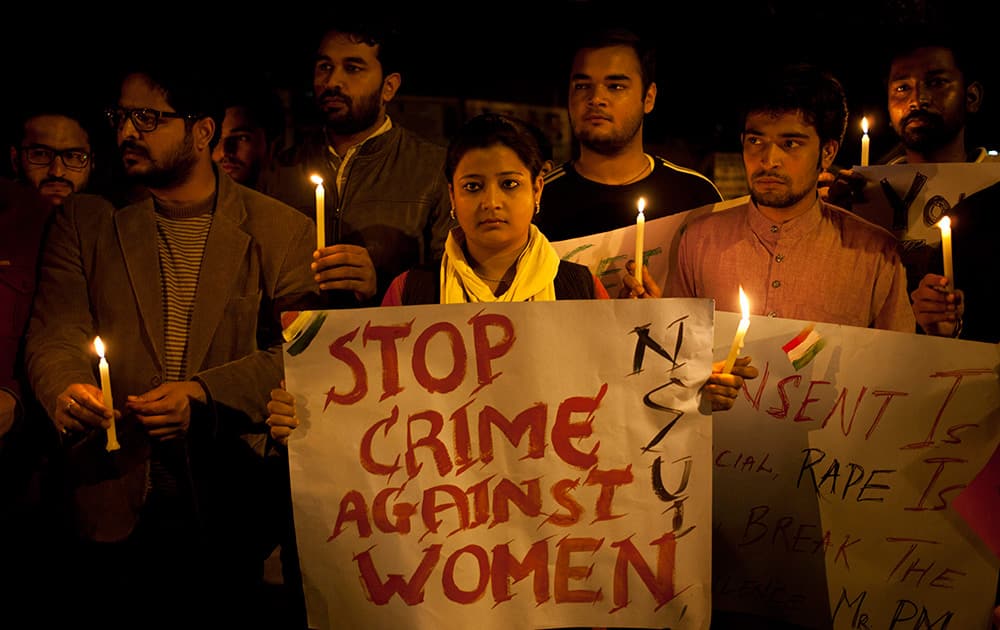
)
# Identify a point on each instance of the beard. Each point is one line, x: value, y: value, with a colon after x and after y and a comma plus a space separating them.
x: 608, y: 142
x: 174, y: 169
x: 934, y: 134
x: 356, y: 116
x: 783, y: 198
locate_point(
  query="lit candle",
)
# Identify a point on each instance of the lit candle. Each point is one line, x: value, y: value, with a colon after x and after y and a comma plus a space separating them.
x: 945, y: 225
x: 640, y: 234
x: 865, y: 142
x: 106, y: 390
x: 741, y: 332
x: 320, y: 212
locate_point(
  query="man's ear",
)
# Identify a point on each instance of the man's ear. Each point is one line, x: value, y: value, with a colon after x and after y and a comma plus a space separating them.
x: 650, y: 100
x: 390, y: 85
x: 828, y: 153
x: 973, y: 97
x: 204, y: 131
x: 14, y: 161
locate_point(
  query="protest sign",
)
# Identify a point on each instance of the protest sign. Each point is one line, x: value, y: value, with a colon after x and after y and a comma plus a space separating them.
x: 835, y: 471
x: 805, y: 530
x: 607, y: 253
x: 909, y: 199
x: 528, y: 465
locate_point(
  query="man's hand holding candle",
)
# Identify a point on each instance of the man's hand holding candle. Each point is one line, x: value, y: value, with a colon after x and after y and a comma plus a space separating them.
x: 721, y: 389
x: 937, y: 308
x: 80, y: 407
x: 347, y: 268
x: 631, y: 289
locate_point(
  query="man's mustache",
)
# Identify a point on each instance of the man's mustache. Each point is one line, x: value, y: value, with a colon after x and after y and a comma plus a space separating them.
x: 921, y: 115
x: 129, y: 145
x: 771, y: 174
x: 335, y: 93
x: 57, y: 180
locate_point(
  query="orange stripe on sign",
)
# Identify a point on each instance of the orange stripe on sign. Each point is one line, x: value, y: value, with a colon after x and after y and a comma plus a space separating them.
x: 798, y: 338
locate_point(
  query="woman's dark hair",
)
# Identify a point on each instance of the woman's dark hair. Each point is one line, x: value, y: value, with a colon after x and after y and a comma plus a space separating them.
x: 487, y: 130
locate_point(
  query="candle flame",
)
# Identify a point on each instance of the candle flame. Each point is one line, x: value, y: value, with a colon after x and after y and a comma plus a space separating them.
x: 944, y: 223
x: 316, y: 179
x: 744, y: 304
x: 641, y: 204
x: 864, y: 124
x: 99, y: 346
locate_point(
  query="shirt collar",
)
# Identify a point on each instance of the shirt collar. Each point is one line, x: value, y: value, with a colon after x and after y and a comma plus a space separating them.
x: 384, y: 127
x: 794, y: 228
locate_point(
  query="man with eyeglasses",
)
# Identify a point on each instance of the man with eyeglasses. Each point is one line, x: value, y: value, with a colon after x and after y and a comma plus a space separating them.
x: 185, y: 290
x: 53, y: 154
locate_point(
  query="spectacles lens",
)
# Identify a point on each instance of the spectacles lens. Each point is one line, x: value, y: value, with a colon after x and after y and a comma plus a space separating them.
x: 75, y: 159
x: 39, y: 156
x: 114, y: 117
x: 145, y: 119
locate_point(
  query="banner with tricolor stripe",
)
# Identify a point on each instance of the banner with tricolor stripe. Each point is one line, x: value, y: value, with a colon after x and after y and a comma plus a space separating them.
x: 804, y: 347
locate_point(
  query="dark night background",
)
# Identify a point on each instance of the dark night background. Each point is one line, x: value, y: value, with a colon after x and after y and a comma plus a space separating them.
x: 511, y: 51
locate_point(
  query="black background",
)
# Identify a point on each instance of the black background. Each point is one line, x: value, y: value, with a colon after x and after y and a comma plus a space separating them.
x: 506, y: 51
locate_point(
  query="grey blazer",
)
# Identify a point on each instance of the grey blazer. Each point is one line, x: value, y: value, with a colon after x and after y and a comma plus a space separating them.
x: 100, y: 275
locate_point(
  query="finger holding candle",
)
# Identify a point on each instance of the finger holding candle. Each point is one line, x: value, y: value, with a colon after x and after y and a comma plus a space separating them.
x: 945, y: 226
x: 865, y: 142
x: 320, y: 211
x: 640, y: 235
x: 106, y: 391
x: 741, y: 332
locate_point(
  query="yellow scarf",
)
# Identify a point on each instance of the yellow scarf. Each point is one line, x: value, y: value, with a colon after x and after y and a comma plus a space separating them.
x: 536, y: 271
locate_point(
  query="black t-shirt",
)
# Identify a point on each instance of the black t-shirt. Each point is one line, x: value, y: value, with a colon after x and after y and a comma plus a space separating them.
x: 573, y: 206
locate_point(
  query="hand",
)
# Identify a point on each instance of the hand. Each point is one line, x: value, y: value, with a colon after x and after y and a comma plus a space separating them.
x: 841, y: 187
x: 81, y: 406
x: 936, y: 308
x: 722, y: 389
x: 631, y: 289
x: 165, y: 411
x: 347, y: 267
x: 281, y: 418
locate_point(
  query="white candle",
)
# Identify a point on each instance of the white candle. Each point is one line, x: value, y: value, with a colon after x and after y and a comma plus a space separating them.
x: 109, y: 402
x: 865, y: 142
x: 741, y: 332
x: 640, y: 235
x: 320, y: 212
x: 945, y: 225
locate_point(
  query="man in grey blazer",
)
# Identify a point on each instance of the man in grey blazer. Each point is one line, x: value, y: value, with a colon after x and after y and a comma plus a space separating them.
x: 185, y: 289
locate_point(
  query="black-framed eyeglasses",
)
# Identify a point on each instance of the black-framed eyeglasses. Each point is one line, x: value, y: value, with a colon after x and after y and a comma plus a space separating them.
x: 41, y: 155
x: 143, y: 118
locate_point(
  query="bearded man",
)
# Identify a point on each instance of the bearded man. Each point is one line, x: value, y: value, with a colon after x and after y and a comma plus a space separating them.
x: 184, y: 289
x: 612, y: 88
x: 386, y: 201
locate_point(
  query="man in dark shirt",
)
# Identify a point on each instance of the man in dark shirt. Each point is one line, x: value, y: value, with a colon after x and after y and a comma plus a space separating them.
x: 612, y: 87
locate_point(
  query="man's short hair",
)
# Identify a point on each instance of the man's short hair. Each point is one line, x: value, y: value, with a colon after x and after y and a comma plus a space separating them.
x: 804, y: 88
x: 607, y: 36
